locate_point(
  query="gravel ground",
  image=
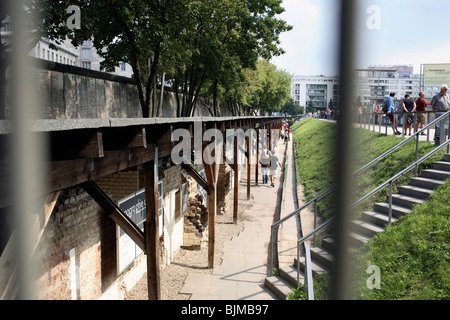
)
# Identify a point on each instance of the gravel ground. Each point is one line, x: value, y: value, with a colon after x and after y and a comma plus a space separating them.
x: 173, y: 276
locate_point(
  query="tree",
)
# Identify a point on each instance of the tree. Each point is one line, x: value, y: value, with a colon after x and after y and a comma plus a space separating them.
x: 194, y: 44
x: 139, y: 32
x: 310, y: 106
x: 228, y: 37
x: 47, y: 19
x: 292, y: 109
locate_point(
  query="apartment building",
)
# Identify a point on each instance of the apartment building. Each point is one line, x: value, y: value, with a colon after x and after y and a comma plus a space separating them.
x: 373, y: 85
x: 319, y: 90
x: 84, y: 56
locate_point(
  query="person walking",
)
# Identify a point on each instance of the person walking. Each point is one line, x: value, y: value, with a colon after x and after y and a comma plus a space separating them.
x: 409, y: 106
x: 421, y: 106
x: 390, y: 105
x: 440, y: 102
x: 274, y: 162
x: 264, y: 162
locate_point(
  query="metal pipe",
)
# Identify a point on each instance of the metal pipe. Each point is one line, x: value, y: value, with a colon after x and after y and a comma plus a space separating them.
x: 308, y: 273
x: 390, y: 202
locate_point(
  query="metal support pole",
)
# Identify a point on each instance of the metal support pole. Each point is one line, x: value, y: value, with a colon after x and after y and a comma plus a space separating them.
x: 308, y: 273
x: 417, y: 155
x: 315, y: 221
x: 390, y: 202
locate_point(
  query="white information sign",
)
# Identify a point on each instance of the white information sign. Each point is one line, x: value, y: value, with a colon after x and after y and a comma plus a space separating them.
x: 134, y: 206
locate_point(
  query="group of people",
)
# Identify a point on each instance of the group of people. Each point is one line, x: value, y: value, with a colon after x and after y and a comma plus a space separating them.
x: 440, y: 102
x: 269, y: 164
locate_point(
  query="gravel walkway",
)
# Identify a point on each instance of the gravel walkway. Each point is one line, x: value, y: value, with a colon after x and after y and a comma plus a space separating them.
x: 173, y: 276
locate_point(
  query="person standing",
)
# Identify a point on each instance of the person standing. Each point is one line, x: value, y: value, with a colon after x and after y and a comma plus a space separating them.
x: 421, y: 106
x: 440, y: 102
x: 390, y: 105
x: 409, y: 107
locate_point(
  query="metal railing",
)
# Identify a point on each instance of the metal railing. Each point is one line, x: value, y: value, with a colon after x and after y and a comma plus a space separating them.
x: 373, y: 120
x: 314, y: 201
x: 367, y: 196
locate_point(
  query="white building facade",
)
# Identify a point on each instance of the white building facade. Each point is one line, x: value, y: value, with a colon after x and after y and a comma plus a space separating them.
x: 318, y: 89
x: 374, y: 84
x: 84, y: 56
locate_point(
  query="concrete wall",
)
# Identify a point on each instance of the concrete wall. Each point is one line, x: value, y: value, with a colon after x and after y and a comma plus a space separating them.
x: 69, y: 92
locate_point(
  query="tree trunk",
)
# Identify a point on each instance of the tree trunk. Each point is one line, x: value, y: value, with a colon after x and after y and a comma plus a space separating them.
x: 161, y: 98
x: 215, y: 97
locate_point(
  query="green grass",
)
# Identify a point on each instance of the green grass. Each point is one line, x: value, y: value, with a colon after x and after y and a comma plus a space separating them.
x: 413, y: 253
x: 315, y: 159
x: 314, y: 143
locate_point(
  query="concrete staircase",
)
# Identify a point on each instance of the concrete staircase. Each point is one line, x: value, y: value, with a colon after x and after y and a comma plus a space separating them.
x: 370, y: 224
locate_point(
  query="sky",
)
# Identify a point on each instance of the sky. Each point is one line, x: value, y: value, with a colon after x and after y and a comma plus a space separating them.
x: 390, y: 32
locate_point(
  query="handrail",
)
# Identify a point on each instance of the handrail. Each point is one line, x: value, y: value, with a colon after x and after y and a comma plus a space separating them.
x: 275, y: 224
x: 379, y: 158
x: 398, y: 175
x: 368, y: 195
x: 402, y: 143
x: 371, y: 193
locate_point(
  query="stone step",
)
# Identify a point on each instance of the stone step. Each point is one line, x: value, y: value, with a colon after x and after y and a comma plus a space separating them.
x: 406, y: 201
x: 397, y: 211
x: 328, y: 243
x: 417, y: 192
x: 377, y: 218
x: 447, y: 157
x: 316, y: 267
x: 436, y: 174
x: 278, y: 286
x: 358, y: 240
x: 365, y: 228
x: 442, y: 165
x: 322, y: 256
x: 289, y: 274
x: 426, y: 183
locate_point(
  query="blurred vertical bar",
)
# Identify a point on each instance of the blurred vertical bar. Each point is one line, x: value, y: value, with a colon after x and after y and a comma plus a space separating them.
x: 341, y: 272
x: 27, y: 151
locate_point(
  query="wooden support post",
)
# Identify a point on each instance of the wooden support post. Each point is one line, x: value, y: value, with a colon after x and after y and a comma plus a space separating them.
x: 151, y: 228
x: 257, y: 157
x: 236, y: 181
x: 211, y: 171
x: 247, y: 142
x: 270, y: 137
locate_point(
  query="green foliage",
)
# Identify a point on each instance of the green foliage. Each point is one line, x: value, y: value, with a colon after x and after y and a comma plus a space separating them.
x: 413, y: 254
x: 195, y: 44
x: 315, y: 159
x: 315, y: 143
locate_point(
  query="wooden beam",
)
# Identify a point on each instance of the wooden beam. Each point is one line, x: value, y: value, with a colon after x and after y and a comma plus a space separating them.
x: 67, y: 173
x: 151, y: 228
x: 194, y: 174
x: 94, y: 147
x: 115, y: 213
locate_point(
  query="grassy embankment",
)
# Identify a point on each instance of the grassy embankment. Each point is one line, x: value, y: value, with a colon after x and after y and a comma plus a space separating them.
x: 414, y: 250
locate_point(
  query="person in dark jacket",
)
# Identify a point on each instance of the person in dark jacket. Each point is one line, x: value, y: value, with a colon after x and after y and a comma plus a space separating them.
x: 409, y: 106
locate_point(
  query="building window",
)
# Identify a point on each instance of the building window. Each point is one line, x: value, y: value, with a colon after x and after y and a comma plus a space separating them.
x: 86, y: 53
x: 86, y: 64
